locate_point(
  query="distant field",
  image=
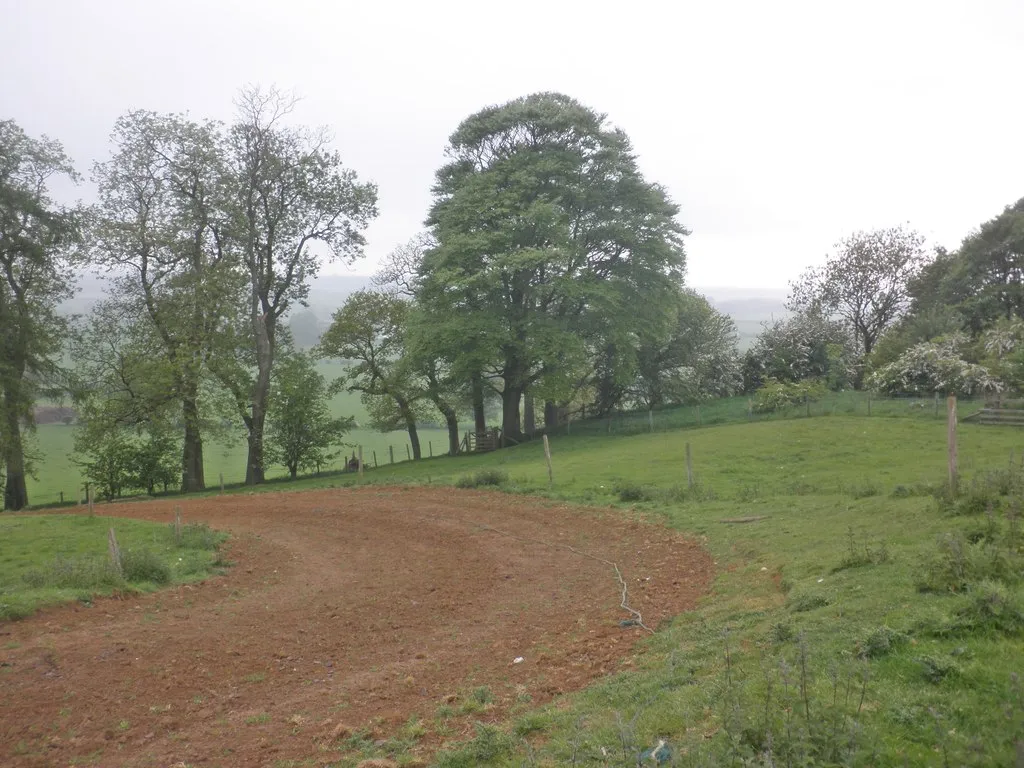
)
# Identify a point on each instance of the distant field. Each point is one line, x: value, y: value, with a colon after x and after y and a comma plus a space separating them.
x: 58, y: 473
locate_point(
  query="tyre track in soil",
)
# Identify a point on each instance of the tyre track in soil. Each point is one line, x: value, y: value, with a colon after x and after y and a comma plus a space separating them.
x: 361, y: 607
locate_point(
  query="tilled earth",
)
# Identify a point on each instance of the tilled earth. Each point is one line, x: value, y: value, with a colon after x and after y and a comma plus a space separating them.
x: 343, y: 610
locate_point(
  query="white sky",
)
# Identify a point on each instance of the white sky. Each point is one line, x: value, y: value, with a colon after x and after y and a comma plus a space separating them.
x: 778, y: 126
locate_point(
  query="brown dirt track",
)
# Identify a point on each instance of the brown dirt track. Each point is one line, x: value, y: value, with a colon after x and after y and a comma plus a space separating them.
x: 356, y: 607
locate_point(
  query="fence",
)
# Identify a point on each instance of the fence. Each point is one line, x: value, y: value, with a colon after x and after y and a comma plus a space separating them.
x: 732, y: 410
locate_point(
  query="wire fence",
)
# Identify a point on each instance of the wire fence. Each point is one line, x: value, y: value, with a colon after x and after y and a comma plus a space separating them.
x: 733, y: 410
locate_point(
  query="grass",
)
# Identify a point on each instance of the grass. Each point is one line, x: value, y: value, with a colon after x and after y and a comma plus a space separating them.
x: 49, y: 559
x: 843, y: 627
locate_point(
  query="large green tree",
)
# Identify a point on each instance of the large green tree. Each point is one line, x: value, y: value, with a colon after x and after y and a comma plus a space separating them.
x: 301, y: 432
x: 550, y: 243
x: 163, y: 225
x: 35, y: 235
x: 369, y: 332
x: 294, y: 204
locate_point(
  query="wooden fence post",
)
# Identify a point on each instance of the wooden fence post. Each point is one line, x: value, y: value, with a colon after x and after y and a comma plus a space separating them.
x: 391, y: 450
x: 750, y: 409
x: 547, y: 456
x: 408, y: 453
x: 177, y: 524
x: 222, y: 482
x: 951, y: 441
x: 115, y: 552
x: 689, y: 467
x: 936, y: 404
x: 360, y: 462
x: 62, y: 492
x: 650, y: 419
x: 88, y: 497
x: 430, y: 447
x: 374, y: 459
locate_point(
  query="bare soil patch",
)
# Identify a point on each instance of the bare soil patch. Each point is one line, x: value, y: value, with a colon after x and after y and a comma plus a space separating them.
x: 344, y: 609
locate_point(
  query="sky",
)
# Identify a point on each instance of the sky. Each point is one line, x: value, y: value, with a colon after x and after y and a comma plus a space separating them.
x: 778, y: 127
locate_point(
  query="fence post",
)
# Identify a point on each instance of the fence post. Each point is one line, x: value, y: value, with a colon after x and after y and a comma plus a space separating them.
x: 222, y: 482
x: 547, y: 456
x: 374, y: 459
x: 391, y: 450
x: 951, y: 440
x: 88, y: 497
x: 177, y: 524
x: 430, y: 447
x: 115, y: 552
x: 650, y: 418
x: 62, y: 492
x: 689, y: 467
x: 936, y: 404
x: 750, y: 409
x: 869, y: 403
x: 360, y: 462
x: 408, y: 453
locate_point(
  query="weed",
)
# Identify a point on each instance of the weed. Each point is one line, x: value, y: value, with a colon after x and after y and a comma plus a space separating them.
x: 801, y: 602
x: 935, y: 669
x: 143, y: 564
x: 781, y: 632
x: 483, y: 478
x: 993, y: 606
x: 255, y: 677
x: 198, y: 536
x: 864, y: 490
x: 260, y: 719
x: 628, y: 491
x: 881, y: 642
x: 85, y: 572
x: 862, y: 554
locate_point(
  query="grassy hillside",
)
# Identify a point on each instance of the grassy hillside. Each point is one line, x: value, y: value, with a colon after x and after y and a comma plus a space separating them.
x: 857, y: 617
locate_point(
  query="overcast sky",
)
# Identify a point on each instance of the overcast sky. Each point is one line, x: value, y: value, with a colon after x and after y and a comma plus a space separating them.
x: 777, y: 126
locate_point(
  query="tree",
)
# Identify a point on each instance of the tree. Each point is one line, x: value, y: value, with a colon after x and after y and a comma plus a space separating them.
x: 865, y: 283
x: 163, y: 223
x: 35, y: 235
x: 547, y: 238
x: 798, y: 348
x: 690, y: 357
x: 429, y: 355
x: 291, y: 193
x: 935, y: 366
x: 301, y: 431
x: 369, y: 330
x: 987, y: 279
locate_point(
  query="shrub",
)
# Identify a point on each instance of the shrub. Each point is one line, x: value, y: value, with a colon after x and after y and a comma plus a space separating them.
x: 144, y: 565
x: 881, y: 642
x: 993, y: 606
x: 934, y: 366
x: 774, y: 395
x: 801, y: 602
x: 485, y: 477
x: 628, y: 491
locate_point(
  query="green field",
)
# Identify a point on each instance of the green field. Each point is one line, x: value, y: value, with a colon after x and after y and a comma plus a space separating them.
x: 49, y: 559
x: 859, y: 617
x: 819, y: 640
x: 57, y: 473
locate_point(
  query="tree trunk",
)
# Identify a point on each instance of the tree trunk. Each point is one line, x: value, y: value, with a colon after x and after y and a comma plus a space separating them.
x: 15, y: 489
x: 451, y: 418
x: 293, y: 470
x: 511, y: 424
x: 479, y: 416
x: 410, y: 424
x: 550, y: 415
x: 193, y: 477
x: 263, y: 326
x: 529, y: 416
